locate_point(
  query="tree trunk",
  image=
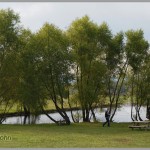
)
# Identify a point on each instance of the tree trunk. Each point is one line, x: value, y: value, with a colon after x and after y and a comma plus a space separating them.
x: 83, y: 115
x: 118, y: 92
x: 132, y: 88
x: 49, y: 116
x: 138, y: 113
x: 62, y: 113
x: 94, y: 117
x: 87, y: 115
x: 68, y: 94
x: 132, y: 112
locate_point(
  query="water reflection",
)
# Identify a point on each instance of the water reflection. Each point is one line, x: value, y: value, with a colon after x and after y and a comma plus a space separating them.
x: 122, y: 115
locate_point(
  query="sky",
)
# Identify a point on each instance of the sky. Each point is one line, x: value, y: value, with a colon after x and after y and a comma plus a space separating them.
x: 121, y: 16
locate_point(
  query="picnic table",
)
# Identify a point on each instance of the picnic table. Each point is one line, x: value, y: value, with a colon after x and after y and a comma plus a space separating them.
x: 140, y: 125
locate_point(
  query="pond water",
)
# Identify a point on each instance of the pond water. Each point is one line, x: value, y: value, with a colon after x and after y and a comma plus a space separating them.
x: 122, y: 115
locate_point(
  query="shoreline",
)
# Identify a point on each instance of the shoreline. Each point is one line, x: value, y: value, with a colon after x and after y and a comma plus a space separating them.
x: 21, y: 113
x: 51, y: 111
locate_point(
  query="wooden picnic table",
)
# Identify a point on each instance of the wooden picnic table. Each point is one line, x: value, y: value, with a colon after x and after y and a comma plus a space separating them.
x: 140, y: 125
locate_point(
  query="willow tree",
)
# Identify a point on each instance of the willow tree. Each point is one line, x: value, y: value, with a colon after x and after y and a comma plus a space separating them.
x: 9, y: 44
x: 137, y: 52
x: 146, y: 94
x: 143, y: 84
x: 89, y: 69
x: 54, y: 62
x: 30, y: 93
x: 112, y: 54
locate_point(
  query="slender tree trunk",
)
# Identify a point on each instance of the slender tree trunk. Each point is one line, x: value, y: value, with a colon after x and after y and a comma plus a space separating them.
x: 132, y: 89
x: 54, y: 99
x: 132, y: 112
x: 49, y: 116
x: 93, y: 114
x: 87, y: 115
x: 70, y: 107
x: 148, y: 109
x: 118, y: 94
x: 138, y: 113
x: 62, y: 113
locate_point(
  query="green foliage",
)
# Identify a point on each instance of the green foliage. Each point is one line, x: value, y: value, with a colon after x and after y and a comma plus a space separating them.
x: 136, y: 48
x: 83, y: 64
x: 84, y: 42
x: 9, y: 44
x: 54, y: 61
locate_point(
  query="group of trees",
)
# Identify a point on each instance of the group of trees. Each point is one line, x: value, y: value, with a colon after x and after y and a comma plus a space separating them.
x: 84, y: 66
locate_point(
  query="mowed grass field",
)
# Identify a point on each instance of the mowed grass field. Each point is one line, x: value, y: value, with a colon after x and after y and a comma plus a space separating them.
x: 82, y: 135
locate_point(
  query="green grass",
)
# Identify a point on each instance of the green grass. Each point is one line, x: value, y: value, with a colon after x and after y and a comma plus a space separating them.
x: 83, y: 135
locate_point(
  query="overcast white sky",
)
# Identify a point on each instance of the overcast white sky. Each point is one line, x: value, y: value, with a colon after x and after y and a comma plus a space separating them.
x: 119, y: 16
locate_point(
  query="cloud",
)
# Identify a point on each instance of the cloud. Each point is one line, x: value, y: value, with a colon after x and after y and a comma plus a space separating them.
x: 119, y: 16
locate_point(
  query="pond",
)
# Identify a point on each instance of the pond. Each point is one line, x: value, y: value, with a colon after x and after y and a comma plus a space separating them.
x: 122, y: 115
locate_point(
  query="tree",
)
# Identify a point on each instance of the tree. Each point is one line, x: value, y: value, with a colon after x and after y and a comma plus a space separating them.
x: 116, y: 64
x: 9, y: 43
x: 54, y: 66
x: 137, y: 52
x: 146, y: 76
x: 88, y: 68
x: 30, y: 93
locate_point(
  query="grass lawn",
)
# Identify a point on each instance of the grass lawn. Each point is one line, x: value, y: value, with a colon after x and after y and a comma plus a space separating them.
x: 83, y: 135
